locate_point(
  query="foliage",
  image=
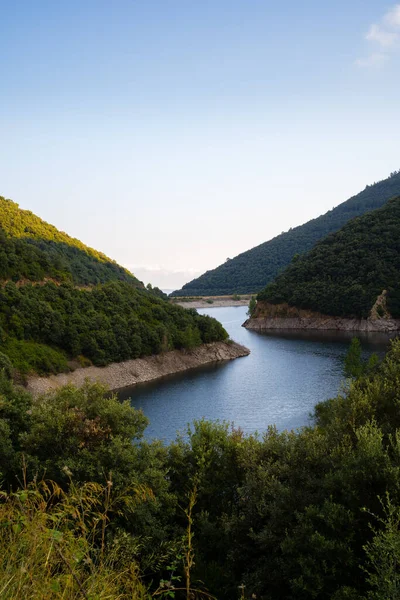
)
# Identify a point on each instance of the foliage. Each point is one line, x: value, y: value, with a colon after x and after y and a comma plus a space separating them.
x: 5, y: 365
x: 112, y: 322
x: 156, y: 291
x: 49, y: 315
x: 252, y: 270
x: 345, y: 272
x: 27, y: 357
x: 52, y: 545
x: 383, y: 555
x: 354, y: 365
x: 312, y: 514
x: 252, y: 306
x: 34, y: 250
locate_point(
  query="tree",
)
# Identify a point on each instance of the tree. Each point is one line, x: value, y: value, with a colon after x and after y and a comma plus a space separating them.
x: 252, y: 306
x: 353, y: 366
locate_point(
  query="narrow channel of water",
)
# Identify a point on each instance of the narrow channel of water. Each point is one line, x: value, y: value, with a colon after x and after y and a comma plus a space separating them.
x: 286, y: 374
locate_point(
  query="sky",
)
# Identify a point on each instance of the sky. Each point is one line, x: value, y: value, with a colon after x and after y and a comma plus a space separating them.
x: 173, y: 134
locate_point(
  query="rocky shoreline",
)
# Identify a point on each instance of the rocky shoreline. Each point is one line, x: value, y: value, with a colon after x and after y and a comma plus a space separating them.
x: 212, y: 301
x: 323, y: 324
x: 282, y: 316
x: 213, y: 304
x: 128, y: 373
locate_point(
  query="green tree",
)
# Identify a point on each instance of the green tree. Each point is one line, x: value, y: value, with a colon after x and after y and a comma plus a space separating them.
x: 383, y: 555
x: 353, y: 365
x: 252, y: 306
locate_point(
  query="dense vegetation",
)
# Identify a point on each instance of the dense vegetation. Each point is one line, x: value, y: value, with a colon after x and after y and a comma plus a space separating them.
x: 42, y: 326
x: 307, y: 515
x: 251, y: 271
x: 32, y: 249
x: 60, y: 300
x: 346, y: 272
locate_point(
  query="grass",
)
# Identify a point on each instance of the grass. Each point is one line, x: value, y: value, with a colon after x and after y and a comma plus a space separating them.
x: 52, y: 546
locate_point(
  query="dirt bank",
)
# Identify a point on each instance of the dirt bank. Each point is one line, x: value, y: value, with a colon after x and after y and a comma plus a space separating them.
x: 212, y: 301
x: 139, y: 370
x: 282, y: 316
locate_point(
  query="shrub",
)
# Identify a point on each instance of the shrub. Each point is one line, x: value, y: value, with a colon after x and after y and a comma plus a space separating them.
x: 5, y: 365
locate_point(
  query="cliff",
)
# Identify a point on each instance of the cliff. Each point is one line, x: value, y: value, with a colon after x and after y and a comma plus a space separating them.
x: 282, y: 316
x: 139, y: 370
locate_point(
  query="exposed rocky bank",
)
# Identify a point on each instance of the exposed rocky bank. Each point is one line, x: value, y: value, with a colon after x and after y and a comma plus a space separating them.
x: 282, y: 316
x: 140, y: 370
x: 213, y: 301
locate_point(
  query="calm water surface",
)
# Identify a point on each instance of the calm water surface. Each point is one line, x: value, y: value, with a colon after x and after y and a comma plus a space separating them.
x: 285, y: 375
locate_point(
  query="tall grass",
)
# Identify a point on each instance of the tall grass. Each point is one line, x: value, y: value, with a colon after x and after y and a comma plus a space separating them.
x: 53, y: 544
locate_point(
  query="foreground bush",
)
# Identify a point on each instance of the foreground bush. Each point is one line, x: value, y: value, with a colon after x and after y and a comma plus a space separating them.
x: 313, y: 514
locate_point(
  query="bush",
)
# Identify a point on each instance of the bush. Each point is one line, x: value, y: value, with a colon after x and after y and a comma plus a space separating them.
x: 5, y: 365
x: 31, y: 357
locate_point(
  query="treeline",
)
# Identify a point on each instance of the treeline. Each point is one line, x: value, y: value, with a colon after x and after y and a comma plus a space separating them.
x: 252, y: 270
x: 346, y: 272
x: 32, y: 249
x: 285, y: 516
x: 41, y: 326
x: 47, y: 319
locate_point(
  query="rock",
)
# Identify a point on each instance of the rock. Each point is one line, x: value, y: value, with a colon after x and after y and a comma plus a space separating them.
x: 282, y: 316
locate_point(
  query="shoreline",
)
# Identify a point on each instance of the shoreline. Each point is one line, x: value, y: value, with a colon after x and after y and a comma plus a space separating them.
x: 283, y: 316
x: 212, y: 301
x: 215, y: 304
x: 322, y: 324
x: 117, y: 376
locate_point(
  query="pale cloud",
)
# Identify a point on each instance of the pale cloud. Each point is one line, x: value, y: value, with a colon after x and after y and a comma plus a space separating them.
x: 392, y: 18
x: 378, y: 59
x: 382, y: 36
x: 385, y: 35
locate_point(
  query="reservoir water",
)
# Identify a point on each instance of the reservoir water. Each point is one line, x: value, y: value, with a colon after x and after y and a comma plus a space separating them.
x: 279, y: 383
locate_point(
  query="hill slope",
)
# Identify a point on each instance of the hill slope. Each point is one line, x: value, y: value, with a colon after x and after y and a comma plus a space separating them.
x: 32, y: 249
x: 250, y: 271
x: 344, y: 274
x: 47, y: 319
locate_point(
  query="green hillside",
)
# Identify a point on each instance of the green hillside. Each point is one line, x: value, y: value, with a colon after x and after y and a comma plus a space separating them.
x: 346, y: 271
x: 32, y: 249
x: 63, y: 304
x: 250, y: 271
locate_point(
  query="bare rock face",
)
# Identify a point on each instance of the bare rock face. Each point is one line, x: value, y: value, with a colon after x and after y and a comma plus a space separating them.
x: 282, y: 316
x: 140, y: 370
x: 379, y: 309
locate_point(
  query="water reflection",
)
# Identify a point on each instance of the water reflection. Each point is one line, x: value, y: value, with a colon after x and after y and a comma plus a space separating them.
x: 286, y: 374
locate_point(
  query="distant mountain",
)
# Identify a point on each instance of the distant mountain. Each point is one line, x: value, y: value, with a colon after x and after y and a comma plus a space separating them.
x: 250, y: 271
x: 346, y: 272
x: 63, y: 304
x: 32, y: 249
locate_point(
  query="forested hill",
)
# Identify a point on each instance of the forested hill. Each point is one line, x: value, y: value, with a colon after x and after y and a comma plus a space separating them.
x: 250, y: 271
x: 32, y: 249
x: 345, y: 272
x: 63, y: 304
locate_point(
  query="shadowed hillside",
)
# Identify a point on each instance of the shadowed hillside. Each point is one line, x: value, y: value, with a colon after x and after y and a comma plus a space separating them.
x: 250, y: 271
x: 346, y: 271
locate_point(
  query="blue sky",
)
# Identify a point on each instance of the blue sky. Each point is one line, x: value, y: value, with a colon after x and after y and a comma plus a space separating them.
x: 172, y: 134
